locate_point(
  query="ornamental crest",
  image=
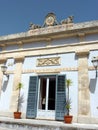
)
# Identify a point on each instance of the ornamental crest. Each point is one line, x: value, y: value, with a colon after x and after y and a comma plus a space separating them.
x: 48, y: 61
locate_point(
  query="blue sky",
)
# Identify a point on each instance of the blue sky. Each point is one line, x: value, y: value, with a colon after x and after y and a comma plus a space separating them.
x: 16, y: 15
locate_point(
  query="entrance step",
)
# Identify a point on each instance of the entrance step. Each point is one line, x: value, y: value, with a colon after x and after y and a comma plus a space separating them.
x: 31, y: 124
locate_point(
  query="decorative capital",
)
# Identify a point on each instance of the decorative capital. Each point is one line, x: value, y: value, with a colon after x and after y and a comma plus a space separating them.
x: 82, y: 52
x: 19, y: 58
x: 3, y: 60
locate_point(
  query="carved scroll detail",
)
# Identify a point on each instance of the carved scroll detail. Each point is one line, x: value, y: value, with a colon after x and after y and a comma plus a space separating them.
x: 48, y: 61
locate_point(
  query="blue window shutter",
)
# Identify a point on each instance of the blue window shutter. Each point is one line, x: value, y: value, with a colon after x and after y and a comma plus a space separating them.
x: 60, y: 97
x: 32, y: 97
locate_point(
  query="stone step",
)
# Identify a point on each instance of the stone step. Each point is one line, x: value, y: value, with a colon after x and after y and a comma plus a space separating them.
x: 4, y: 128
x: 31, y: 124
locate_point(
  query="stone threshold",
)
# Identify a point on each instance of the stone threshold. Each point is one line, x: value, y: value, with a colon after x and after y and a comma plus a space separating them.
x: 35, y: 124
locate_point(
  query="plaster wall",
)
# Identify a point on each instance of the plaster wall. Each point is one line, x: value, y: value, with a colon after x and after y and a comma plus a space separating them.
x: 73, y: 91
x: 10, y: 64
x: 93, y: 86
x: 6, y: 91
x: 6, y: 88
x: 92, y: 54
x: 67, y: 60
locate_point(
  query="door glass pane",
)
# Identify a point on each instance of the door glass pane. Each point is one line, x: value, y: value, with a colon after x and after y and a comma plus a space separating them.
x: 42, y: 93
x: 51, y: 97
x: 47, y: 93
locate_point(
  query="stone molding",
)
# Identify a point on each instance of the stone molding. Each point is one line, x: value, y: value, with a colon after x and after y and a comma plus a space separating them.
x: 52, y: 70
x: 10, y: 72
x: 76, y: 47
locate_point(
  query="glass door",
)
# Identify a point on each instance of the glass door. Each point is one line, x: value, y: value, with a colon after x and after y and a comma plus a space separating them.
x: 46, y: 97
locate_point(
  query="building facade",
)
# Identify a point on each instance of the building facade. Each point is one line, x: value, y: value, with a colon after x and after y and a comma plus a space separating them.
x: 42, y: 59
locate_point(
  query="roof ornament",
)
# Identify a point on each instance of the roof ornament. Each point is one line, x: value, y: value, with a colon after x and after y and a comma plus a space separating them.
x: 68, y: 20
x: 33, y: 26
x: 50, y: 20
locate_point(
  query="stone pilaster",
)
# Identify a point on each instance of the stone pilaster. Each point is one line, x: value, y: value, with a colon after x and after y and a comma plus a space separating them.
x: 83, y: 82
x: 17, y: 79
x: 2, y: 61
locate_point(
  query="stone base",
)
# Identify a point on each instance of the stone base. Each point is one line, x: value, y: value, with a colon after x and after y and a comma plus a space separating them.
x: 87, y: 120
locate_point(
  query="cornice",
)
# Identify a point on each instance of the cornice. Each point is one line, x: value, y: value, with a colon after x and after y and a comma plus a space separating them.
x: 51, y: 32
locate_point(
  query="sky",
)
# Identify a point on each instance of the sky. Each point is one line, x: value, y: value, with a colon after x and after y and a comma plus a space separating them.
x: 16, y: 15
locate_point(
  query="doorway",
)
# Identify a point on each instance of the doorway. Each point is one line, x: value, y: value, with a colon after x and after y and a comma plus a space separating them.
x: 46, y: 97
x: 50, y: 88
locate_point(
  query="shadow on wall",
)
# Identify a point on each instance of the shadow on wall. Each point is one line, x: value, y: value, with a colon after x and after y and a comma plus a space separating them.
x: 92, y: 85
x: 4, y: 85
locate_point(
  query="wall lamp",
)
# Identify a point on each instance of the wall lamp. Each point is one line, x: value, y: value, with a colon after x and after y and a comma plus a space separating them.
x: 4, y: 69
x: 95, y: 64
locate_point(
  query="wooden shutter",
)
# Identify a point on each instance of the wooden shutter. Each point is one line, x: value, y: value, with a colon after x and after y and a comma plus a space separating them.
x: 60, y: 97
x: 32, y: 97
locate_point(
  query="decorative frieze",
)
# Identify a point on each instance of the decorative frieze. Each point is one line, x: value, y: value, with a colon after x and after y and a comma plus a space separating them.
x: 48, y: 61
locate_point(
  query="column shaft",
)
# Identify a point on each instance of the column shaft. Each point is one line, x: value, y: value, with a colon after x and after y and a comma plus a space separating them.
x: 17, y: 79
x: 83, y: 82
